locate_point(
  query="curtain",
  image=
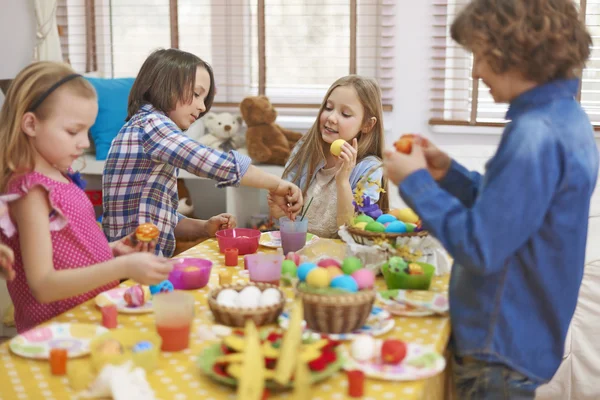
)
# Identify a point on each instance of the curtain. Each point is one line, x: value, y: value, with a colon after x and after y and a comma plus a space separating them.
x: 47, y: 40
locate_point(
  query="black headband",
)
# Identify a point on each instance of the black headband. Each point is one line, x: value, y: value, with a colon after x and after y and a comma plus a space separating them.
x: 52, y: 88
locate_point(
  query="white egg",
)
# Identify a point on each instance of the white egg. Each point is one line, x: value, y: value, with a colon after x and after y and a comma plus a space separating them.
x: 249, y: 297
x: 269, y: 297
x: 363, y: 348
x: 227, y: 297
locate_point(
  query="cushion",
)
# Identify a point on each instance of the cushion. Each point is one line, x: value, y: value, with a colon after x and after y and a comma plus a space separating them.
x: 113, y: 95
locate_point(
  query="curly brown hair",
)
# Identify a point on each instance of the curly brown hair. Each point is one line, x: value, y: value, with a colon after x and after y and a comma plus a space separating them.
x: 542, y: 39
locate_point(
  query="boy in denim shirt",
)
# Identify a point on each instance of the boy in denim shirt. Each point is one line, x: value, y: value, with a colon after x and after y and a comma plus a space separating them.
x: 517, y: 233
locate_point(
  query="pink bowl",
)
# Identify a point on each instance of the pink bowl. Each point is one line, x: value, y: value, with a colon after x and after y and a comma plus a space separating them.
x: 190, y: 273
x: 243, y: 239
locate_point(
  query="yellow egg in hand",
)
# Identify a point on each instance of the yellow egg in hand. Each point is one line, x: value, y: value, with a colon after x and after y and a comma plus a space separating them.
x: 318, y: 278
x: 336, y: 147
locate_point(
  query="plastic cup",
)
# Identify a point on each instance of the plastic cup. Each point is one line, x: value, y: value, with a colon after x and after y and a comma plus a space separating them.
x: 174, y: 312
x: 293, y: 234
x: 231, y: 257
x: 265, y: 268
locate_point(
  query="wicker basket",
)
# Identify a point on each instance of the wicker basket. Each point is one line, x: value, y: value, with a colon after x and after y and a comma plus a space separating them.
x: 237, y: 316
x: 336, y: 313
x: 363, y: 237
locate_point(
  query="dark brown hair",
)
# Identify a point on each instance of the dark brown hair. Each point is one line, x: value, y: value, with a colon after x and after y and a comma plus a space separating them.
x: 166, y: 77
x: 542, y: 39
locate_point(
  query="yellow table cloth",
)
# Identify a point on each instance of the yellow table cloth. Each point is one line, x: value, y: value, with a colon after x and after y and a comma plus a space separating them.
x: 178, y: 377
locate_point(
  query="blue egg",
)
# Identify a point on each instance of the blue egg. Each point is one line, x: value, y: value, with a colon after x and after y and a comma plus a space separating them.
x: 386, y: 218
x: 304, y: 269
x: 344, y: 282
x: 142, y: 346
x: 164, y: 286
x: 396, y: 227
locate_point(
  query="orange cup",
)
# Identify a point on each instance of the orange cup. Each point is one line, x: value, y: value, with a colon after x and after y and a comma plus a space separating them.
x: 58, y: 361
x: 231, y: 257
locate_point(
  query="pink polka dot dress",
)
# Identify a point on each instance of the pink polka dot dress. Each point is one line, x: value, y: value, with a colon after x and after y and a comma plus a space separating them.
x: 77, y: 242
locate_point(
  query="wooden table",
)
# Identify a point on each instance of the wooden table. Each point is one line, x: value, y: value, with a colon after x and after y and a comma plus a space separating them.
x: 178, y: 376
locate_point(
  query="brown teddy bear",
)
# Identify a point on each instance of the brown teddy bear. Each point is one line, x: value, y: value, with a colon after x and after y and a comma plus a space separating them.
x: 267, y: 142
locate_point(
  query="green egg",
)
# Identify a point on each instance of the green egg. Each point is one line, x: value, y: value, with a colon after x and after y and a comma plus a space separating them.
x: 288, y: 271
x: 363, y: 218
x: 410, y: 227
x: 350, y: 265
x: 375, y: 227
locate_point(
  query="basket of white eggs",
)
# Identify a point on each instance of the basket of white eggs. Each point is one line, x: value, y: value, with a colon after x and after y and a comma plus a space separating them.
x: 233, y: 304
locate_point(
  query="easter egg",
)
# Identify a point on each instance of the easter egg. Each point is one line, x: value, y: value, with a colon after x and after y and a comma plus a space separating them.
x: 363, y: 218
x: 406, y: 215
x: 329, y: 262
x: 375, y: 227
x: 393, y: 351
x: 396, y: 227
x: 344, y: 282
x: 293, y: 257
x: 363, y: 348
x: 386, y: 218
x: 336, y: 147
x: 249, y: 297
x: 269, y: 297
x: 360, y: 225
x: 365, y: 278
x: 410, y: 227
x: 144, y: 345
x: 318, y: 278
x: 351, y: 264
x: 404, y: 145
x: 396, y: 264
x: 288, y: 271
x: 304, y: 269
x: 227, y: 298
x: 333, y: 272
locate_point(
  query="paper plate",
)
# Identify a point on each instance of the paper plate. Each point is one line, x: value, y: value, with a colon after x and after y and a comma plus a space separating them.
x: 115, y: 296
x: 206, y: 362
x: 379, y: 322
x: 421, y: 362
x: 418, y: 300
x: 273, y: 239
x: 37, y: 342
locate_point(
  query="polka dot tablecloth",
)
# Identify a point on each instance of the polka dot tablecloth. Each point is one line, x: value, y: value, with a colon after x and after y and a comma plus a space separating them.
x: 178, y: 376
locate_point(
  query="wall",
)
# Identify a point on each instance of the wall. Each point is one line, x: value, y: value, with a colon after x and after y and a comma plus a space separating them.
x: 17, y: 36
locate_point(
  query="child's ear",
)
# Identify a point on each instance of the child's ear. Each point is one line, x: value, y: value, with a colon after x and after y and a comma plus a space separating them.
x: 28, y: 123
x: 369, y: 125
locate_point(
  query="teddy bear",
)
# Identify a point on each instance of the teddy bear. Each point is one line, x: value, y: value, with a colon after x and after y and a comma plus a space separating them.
x: 222, y: 132
x: 267, y: 142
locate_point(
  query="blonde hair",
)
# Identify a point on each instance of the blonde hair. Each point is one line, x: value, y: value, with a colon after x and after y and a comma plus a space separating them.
x: 16, y: 151
x: 313, y: 148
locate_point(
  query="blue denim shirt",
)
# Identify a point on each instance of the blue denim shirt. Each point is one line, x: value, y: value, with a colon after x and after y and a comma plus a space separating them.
x: 518, y: 233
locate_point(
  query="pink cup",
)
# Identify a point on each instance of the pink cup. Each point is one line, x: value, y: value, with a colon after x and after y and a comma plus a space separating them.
x: 264, y: 268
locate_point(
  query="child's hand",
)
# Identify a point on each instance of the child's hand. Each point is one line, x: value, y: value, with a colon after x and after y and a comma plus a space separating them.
x: 288, y: 197
x: 348, y: 160
x: 220, y: 222
x: 147, y: 269
x: 7, y: 258
x: 397, y: 166
x: 129, y: 244
x: 438, y: 162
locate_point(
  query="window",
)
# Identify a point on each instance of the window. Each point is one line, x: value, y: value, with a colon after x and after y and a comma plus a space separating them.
x: 457, y: 99
x: 291, y: 51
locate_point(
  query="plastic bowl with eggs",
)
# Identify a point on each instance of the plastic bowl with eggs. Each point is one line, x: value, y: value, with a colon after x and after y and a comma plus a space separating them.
x: 244, y: 239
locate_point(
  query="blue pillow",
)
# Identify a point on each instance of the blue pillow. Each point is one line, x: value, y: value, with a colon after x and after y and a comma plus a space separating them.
x: 113, y: 95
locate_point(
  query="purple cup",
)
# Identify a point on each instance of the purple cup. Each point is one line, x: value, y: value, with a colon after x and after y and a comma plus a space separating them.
x: 190, y: 273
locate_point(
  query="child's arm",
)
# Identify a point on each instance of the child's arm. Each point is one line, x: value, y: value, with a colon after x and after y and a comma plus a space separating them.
x: 193, y: 229
x: 7, y: 258
x: 345, y: 197
x: 47, y: 284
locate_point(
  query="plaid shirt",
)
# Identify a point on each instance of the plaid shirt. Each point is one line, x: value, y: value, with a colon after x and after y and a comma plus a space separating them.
x: 139, y: 183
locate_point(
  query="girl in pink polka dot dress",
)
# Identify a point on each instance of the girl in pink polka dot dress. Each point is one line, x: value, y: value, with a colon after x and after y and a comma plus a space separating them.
x: 61, y: 256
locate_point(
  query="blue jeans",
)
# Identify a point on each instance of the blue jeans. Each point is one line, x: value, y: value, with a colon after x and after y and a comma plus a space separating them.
x: 480, y: 380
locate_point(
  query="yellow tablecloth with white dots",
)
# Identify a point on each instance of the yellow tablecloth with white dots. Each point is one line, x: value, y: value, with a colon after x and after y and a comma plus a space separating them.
x: 178, y: 377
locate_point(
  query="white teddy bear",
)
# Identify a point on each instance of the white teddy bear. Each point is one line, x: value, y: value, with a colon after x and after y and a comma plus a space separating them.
x: 222, y: 132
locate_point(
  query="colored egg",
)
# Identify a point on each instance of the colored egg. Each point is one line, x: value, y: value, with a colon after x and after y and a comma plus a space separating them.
x: 363, y: 218
x: 144, y: 345
x: 344, y: 282
x: 329, y: 262
x: 396, y: 264
x: 304, y: 269
x: 318, y: 278
x: 406, y: 215
x: 333, y: 272
x: 375, y: 227
x: 396, y: 227
x: 410, y: 227
x: 288, y: 271
x: 360, y: 225
x: 385, y: 218
x: 365, y: 278
x: 351, y: 264
x: 336, y: 147
x: 293, y: 257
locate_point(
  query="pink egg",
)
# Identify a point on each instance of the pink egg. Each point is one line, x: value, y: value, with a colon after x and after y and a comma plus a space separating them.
x: 293, y: 257
x: 365, y: 278
x: 329, y: 262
